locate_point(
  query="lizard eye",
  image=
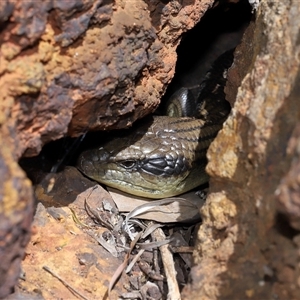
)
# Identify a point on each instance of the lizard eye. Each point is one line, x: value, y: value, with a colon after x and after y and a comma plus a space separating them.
x: 128, y: 164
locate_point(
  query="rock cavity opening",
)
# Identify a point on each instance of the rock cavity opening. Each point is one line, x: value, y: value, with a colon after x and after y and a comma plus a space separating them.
x: 220, y: 29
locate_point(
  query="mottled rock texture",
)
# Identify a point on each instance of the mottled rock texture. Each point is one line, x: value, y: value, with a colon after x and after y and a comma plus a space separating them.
x: 16, y: 208
x: 71, y: 66
x: 246, y: 247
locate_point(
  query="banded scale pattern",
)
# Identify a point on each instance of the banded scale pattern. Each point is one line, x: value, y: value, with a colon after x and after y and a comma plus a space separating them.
x: 166, y: 156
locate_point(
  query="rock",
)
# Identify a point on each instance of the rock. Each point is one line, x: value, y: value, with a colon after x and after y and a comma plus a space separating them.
x: 16, y: 210
x: 246, y: 248
x: 72, y: 66
x: 92, y: 65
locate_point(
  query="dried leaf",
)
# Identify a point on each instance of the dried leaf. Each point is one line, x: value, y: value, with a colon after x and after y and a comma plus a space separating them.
x: 122, y: 266
x: 176, y: 210
x: 165, y: 207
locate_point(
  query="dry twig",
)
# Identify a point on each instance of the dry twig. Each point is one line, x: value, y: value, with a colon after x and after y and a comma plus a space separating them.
x: 73, y: 291
x: 167, y: 258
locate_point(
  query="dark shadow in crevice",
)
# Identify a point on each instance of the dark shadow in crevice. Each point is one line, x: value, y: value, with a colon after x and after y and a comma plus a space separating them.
x: 283, y: 227
x: 219, y: 30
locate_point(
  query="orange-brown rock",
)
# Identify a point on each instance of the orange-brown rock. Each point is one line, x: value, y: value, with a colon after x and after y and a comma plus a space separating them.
x: 16, y: 210
x: 71, y: 66
x: 246, y: 249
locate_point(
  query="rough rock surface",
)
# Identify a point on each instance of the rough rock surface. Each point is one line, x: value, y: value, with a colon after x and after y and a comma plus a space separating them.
x: 246, y: 249
x: 16, y: 208
x: 70, y: 251
x: 288, y: 192
x: 70, y: 66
